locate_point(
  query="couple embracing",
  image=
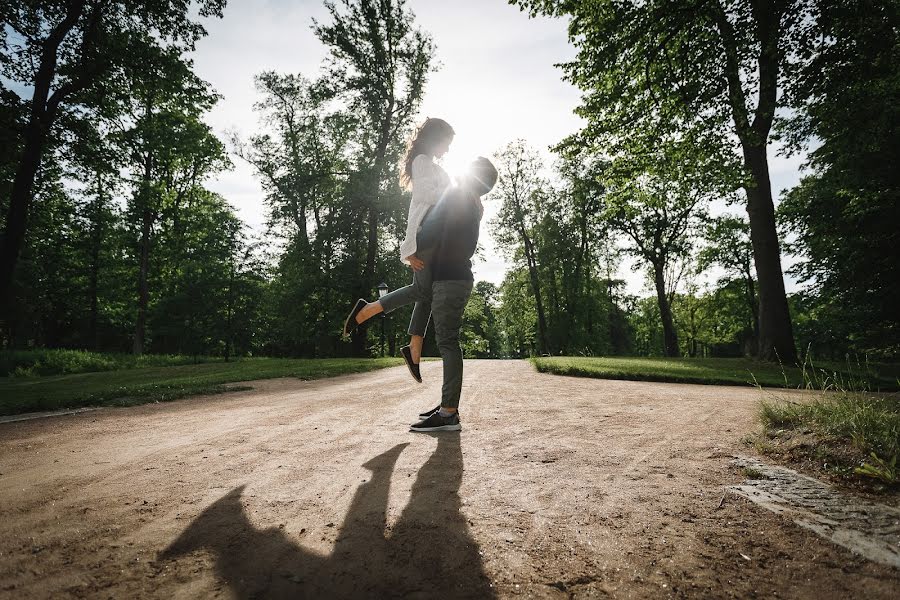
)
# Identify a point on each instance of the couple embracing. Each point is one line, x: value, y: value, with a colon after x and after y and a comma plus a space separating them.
x: 441, y: 237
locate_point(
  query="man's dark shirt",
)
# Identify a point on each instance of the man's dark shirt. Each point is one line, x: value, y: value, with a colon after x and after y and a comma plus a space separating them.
x: 451, y: 230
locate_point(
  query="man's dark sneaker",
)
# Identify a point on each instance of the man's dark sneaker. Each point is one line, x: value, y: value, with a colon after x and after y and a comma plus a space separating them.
x: 428, y: 413
x: 413, y: 367
x: 437, y: 423
x: 350, y: 324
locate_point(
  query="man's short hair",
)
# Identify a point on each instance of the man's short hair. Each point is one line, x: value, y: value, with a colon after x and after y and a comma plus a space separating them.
x: 484, y: 175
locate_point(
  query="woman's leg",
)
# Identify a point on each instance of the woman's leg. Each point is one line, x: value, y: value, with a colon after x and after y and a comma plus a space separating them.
x: 370, y: 310
x: 418, y: 323
x: 392, y: 301
x: 415, y: 347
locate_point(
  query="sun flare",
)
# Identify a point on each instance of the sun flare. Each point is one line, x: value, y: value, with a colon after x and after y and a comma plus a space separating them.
x: 456, y: 164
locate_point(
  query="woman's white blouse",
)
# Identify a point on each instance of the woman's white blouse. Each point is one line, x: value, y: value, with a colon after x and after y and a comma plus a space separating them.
x: 428, y: 183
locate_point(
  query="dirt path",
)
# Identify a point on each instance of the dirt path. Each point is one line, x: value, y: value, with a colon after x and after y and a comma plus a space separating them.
x: 556, y: 487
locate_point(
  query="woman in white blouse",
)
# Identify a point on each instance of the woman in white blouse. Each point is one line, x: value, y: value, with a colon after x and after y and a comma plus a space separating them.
x: 427, y: 182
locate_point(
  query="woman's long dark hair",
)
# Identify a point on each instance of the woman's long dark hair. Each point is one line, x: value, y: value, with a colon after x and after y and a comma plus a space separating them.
x: 427, y: 137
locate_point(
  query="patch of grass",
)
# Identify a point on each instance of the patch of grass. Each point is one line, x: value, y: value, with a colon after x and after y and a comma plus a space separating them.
x: 125, y: 387
x: 30, y: 363
x: 853, y: 432
x: 751, y: 473
x: 714, y: 371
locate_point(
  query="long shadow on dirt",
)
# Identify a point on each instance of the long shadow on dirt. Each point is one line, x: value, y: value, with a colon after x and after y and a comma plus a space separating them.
x: 428, y: 553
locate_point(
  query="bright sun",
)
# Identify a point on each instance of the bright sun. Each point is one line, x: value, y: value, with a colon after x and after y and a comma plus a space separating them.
x: 464, y: 149
x: 455, y: 163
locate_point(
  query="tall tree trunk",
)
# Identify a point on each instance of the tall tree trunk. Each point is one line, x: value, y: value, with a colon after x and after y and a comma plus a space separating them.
x: 94, y: 274
x: 670, y: 336
x: 143, y: 288
x: 146, y: 229
x: 536, y: 288
x: 776, y: 335
x: 19, y: 204
x: 752, y: 303
x: 43, y: 113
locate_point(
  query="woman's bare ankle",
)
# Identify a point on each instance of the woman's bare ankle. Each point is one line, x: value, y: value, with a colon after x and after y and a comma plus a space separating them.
x: 415, y: 348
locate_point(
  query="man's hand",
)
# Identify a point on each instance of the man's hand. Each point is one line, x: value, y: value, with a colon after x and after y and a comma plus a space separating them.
x: 415, y: 262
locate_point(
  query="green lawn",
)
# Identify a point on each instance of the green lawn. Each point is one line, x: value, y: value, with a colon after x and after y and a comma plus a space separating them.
x: 126, y: 387
x: 716, y: 371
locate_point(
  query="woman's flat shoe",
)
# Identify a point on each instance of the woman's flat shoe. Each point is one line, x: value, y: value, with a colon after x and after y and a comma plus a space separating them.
x: 413, y: 367
x: 350, y: 324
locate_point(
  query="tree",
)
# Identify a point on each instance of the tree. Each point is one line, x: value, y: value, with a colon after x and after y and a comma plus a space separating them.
x: 645, y: 325
x: 378, y: 66
x: 61, y: 50
x: 708, y: 71
x: 568, y: 239
x: 655, y: 205
x: 304, y: 159
x: 93, y: 160
x: 479, y: 335
x: 170, y: 148
x: 728, y: 245
x: 516, y: 314
x: 522, y: 190
x: 207, y: 280
x: 844, y: 213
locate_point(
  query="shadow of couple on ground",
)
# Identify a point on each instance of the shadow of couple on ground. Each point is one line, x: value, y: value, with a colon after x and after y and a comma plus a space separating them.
x: 429, y: 552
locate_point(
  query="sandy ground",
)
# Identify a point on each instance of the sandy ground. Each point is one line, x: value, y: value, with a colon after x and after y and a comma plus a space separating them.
x: 556, y: 487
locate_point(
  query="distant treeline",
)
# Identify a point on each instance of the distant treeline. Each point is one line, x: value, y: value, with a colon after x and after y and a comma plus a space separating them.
x: 113, y: 242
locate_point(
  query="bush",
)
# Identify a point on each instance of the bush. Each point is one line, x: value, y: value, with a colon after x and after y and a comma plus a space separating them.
x: 25, y: 363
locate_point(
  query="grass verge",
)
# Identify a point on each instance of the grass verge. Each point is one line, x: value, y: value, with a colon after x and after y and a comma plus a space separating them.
x: 125, y: 387
x: 713, y: 371
x: 853, y: 435
x: 45, y: 361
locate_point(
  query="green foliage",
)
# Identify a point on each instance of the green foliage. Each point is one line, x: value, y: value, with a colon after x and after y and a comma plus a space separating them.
x: 717, y: 322
x: 124, y: 243
x: 53, y: 362
x: 843, y: 215
x: 700, y: 81
x: 561, y: 296
x: 480, y: 332
x: 646, y: 326
x: 173, y: 271
x: 881, y: 469
x: 133, y: 135
x: 517, y: 315
x: 77, y: 58
x: 325, y: 157
x: 655, y: 204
